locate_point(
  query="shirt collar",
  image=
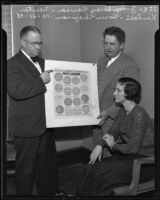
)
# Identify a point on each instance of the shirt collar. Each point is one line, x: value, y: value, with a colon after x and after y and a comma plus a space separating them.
x: 110, y: 61
x: 35, y: 64
x: 26, y: 55
x: 113, y: 59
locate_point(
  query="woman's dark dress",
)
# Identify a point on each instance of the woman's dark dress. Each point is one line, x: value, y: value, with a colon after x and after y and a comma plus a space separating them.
x: 131, y: 133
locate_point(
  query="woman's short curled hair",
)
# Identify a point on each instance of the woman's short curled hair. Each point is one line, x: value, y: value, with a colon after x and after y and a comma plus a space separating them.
x: 26, y: 29
x: 132, y: 89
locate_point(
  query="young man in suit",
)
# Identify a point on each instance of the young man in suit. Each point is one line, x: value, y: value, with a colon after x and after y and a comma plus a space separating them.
x: 34, y: 144
x: 111, y: 66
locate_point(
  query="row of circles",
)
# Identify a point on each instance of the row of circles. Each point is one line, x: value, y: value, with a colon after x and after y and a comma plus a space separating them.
x: 67, y: 79
x: 60, y: 109
x: 68, y: 90
x: 76, y: 101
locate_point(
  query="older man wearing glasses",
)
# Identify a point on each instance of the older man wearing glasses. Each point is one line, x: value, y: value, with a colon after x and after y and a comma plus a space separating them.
x: 34, y: 144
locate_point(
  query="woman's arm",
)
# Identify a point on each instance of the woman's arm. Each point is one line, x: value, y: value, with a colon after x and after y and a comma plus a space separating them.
x: 136, y: 135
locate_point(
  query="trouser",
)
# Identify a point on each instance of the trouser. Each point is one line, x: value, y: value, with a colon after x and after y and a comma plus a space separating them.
x: 36, y: 163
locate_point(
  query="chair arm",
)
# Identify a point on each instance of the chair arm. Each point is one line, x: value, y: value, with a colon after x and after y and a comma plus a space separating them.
x: 144, y: 160
x: 133, y: 187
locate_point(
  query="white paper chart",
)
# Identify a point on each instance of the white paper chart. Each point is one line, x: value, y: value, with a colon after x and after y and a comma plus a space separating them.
x: 72, y: 95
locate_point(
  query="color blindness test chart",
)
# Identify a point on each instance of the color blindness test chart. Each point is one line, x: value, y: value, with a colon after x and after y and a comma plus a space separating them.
x: 72, y: 95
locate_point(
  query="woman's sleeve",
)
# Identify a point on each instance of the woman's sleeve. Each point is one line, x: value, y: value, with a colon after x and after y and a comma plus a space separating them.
x: 114, y: 130
x: 136, y: 135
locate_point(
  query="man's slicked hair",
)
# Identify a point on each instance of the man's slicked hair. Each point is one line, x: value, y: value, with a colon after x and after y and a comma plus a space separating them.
x: 26, y: 29
x: 117, y: 32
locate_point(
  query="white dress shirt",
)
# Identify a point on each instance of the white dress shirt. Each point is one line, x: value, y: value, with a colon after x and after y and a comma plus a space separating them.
x: 36, y: 64
x: 112, y: 60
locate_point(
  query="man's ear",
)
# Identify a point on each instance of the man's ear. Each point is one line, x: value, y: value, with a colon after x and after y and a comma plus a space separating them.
x: 122, y: 46
x: 23, y: 44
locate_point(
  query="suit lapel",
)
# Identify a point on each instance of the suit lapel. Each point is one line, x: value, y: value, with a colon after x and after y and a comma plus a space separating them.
x: 110, y: 73
x: 28, y: 65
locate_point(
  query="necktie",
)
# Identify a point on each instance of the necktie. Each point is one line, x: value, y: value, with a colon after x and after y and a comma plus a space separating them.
x: 106, y: 65
x: 34, y: 59
x: 37, y: 64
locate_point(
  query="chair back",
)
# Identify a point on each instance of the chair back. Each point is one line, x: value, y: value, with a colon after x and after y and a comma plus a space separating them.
x: 149, y: 151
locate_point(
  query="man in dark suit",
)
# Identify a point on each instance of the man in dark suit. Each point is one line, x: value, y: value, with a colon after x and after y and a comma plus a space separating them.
x: 34, y: 144
x: 111, y: 66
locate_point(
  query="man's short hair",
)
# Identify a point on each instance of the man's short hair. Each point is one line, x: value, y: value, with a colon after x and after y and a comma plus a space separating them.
x: 117, y: 32
x: 132, y: 89
x: 26, y: 29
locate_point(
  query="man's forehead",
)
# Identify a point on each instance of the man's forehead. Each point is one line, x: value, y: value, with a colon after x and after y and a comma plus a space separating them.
x: 32, y: 35
x: 110, y: 37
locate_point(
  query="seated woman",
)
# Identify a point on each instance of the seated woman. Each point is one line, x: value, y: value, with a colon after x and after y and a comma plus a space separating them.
x: 125, y: 140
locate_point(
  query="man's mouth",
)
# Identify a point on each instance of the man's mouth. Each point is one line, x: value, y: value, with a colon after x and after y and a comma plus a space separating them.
x: 108, y: 52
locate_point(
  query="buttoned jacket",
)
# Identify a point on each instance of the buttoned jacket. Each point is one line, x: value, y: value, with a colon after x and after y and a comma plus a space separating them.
x: 26, y: 112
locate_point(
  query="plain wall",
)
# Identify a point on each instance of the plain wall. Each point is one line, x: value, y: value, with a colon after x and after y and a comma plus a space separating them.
x: 81, y: 41
x: 61, y: 40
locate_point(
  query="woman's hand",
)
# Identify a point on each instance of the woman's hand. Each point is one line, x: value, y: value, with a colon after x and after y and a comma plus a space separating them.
x: 96, y: 153
x: 109, y: 140
x: 103, y: 116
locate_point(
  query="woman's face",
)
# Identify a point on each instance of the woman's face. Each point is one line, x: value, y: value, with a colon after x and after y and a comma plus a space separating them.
x: 119, y: 93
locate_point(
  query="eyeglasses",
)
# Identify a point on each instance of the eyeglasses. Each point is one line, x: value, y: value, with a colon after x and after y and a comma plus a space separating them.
x: 34, y: 43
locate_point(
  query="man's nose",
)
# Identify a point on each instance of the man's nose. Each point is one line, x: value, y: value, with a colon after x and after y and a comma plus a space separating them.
x: 108, y: 46
x: 38, y: 46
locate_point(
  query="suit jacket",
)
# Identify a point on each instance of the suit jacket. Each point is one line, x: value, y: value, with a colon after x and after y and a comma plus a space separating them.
x: 123, y: 66
x: 26, y: 113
